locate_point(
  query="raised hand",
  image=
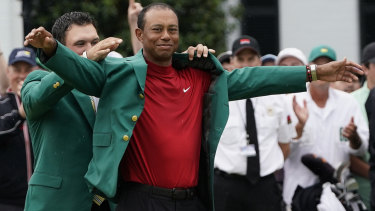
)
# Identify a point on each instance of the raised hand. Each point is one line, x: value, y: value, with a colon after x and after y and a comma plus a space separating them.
x: 41, y: 38
x: 19, y: 87
x: 350, y: 132
x: 302, y: 114
x: 102, y: 48
x: 21, y: 111
x: 133, y: 11
x: 339, y: 71
x: 200, y: 49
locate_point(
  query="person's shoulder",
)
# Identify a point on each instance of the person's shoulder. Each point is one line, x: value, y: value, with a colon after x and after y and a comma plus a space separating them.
x: 137, y: 57
x: 359, y: 91
x: 7, y: 100
x: 344, y: 98
x: 5, y: 97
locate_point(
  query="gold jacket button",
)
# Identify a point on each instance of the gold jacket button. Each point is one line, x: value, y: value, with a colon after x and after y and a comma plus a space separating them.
x: 141, y: 96
x: 57, y: 84
x: 134, y: 118
x: 125, y: 138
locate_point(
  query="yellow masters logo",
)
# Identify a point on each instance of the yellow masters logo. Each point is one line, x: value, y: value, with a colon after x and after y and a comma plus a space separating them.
x: 324, y: 50
x: 23, y: 54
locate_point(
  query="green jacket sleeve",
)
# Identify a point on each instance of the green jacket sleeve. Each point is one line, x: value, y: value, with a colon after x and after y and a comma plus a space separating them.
x: 83, y: 74
x: 41, y: 91
x: 259, y: 81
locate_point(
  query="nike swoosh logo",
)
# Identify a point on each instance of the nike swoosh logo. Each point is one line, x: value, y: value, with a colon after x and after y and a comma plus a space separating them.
x: 185, y: 90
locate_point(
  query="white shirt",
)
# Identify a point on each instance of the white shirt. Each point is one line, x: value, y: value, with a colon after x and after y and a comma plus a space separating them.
x: 272, y: 126
x: 322, y: 136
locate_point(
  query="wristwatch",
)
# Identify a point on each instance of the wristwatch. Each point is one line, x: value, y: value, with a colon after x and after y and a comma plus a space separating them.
x: 313, y: 72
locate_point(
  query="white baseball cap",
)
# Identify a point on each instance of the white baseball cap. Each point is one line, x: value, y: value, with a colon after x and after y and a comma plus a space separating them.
x: 291, y: 52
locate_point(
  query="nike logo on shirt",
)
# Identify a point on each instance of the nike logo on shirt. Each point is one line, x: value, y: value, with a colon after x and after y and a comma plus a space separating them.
x: 185, y: 90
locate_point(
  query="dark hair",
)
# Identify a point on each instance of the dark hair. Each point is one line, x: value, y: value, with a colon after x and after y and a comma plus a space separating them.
x: 141, y: 16
x: 64, y: 22
x: 367, y: 64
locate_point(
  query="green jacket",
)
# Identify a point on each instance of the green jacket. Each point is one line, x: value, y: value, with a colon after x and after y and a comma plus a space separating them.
x: 60, y: 121
x: 120, y: 84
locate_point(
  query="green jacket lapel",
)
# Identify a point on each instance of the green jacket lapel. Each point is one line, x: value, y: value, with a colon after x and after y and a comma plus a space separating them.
x: 140, y: 68
x: 86, y: 106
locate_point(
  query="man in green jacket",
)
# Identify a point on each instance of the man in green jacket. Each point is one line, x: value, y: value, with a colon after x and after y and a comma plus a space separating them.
x: 61, y: 155
x: 165, y: 111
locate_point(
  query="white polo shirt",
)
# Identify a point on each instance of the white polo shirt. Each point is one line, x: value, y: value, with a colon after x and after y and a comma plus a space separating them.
x: 322, y: 136
x: 271, y: 118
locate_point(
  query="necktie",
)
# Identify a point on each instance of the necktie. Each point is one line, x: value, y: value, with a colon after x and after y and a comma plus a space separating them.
x: 93, y: 103
x: 253, y: 166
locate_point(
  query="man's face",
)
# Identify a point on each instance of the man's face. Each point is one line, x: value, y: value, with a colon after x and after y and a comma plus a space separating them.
x: 17, y: 73
x: 81, y: 38
x: 246, y: 58
x: 269, y: 63
x: 291, y: 61
x: 160, y: 35
x: 321, y: 60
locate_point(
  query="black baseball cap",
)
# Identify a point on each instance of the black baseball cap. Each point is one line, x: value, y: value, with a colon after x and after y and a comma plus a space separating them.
x: 22, y: 55
x: 245, y: 42
x: 368, y: 53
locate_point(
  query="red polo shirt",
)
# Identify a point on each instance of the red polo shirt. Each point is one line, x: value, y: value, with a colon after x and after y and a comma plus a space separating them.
x: 165, y: 146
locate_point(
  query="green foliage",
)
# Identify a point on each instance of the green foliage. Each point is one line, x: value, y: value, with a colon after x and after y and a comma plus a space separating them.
x: 200, y: 21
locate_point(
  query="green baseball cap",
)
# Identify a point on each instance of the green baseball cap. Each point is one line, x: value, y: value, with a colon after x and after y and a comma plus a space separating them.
x: 322, y: 50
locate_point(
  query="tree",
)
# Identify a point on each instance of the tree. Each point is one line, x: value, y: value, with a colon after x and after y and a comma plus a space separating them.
x: 200, y: 21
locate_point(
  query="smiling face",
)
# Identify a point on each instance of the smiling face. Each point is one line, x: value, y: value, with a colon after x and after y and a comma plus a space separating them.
x: 159, y: 36
x: 81, y: 38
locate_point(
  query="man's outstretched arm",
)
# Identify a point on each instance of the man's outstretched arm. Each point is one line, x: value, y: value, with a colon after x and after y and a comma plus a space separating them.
x: 259, y: 81
x: 83, y: 74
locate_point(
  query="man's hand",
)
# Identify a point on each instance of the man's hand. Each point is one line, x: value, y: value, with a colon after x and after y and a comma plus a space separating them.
x: 350, y: 132
x: 102, y: 49
x: 302, y: 114
x: 339, y: 71
x: 41, y: 38
x: 200, y: 49
x: 21, y: 111
x: 19, y: 87
x: 133, y: 11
